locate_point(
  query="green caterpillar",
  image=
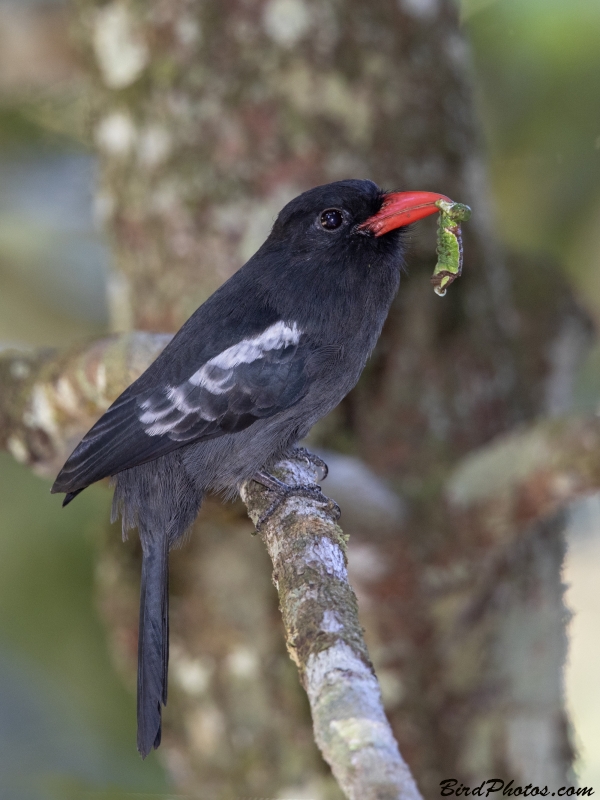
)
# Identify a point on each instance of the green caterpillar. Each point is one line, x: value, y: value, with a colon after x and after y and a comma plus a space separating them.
x: 449, y: 244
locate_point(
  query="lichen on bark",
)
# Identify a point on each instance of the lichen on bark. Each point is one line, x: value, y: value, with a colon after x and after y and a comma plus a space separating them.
x: 325, y: 639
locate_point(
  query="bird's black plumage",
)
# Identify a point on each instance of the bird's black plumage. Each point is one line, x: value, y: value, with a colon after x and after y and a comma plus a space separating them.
x: 268, y: 354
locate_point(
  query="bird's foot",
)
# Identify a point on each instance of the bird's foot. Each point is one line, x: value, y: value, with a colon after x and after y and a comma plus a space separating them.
x: 283, y: 491
x: 303, y: 454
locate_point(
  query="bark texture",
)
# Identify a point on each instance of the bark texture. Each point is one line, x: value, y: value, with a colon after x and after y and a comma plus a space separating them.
x: 325, y: 639
x: 207, y: 118
x: 49, y: 398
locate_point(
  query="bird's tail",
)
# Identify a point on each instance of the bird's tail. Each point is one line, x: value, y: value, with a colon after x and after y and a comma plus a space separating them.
x: 153, y: 641
x: 162, y: 501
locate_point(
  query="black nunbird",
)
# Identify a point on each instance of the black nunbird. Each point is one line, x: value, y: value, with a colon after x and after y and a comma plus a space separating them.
x: 271, y: 352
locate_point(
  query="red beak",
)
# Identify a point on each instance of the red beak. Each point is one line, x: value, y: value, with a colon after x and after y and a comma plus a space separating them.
x: 402, y: 208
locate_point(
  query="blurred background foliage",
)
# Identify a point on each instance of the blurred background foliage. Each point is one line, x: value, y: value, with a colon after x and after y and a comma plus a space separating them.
x: 66, y: 721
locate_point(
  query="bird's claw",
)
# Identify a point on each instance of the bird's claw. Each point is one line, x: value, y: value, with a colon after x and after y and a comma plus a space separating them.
x: 316, y: 461
x: 283, y: 491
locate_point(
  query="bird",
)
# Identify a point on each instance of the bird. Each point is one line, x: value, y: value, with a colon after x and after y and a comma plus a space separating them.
x: 273, y: 350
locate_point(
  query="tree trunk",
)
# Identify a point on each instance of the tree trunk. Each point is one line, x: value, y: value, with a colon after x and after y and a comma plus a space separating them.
x: 208, y: 117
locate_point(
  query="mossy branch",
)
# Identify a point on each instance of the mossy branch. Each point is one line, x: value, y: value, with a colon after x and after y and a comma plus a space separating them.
x: 325, y: 639
x: 49, y: 398
x: 505, y: 487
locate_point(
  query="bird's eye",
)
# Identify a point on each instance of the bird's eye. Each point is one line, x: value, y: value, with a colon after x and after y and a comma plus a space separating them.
x: 331, y: 219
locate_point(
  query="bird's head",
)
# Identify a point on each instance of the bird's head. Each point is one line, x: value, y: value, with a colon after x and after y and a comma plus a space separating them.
x: 352, y: 218
x: 351, y: 211
x: 336, y: 246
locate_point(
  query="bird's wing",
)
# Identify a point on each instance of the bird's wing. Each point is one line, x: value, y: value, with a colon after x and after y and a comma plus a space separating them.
x: 256, y: 377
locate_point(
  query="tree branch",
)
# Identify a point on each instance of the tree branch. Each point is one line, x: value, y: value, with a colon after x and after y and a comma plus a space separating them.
x: 49, y: 399
x: 503, y: 488
x: 325, y: 639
